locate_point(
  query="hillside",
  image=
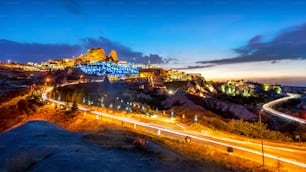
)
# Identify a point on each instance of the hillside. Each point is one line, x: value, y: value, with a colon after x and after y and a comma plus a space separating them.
x: 44, y: 146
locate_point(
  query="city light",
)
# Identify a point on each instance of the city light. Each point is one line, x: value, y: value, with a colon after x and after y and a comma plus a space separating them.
x: 109, y: 68
x: 211, y: 89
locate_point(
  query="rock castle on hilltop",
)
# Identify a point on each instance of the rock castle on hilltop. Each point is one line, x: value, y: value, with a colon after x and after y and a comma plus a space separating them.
x: 98, y: 55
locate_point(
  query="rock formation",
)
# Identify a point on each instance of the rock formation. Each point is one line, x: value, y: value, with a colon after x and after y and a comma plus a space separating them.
x: 96, y: 54
x: 44, y: 146
x: 229, y: 108
x: 180, y: 99
x: 113, y: 56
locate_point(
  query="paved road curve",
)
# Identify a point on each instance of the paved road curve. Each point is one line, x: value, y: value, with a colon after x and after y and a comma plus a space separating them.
x: 289, y: 155
x: 269, y: 109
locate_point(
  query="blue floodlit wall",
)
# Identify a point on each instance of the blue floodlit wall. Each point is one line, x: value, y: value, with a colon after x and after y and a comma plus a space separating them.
x: 109, y: 68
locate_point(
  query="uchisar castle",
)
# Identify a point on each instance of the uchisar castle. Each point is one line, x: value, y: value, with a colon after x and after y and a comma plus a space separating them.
x: 96, y: 62
x: 97, y: 55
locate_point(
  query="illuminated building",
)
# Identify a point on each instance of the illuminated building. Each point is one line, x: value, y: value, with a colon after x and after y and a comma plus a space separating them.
x: 109, y: 68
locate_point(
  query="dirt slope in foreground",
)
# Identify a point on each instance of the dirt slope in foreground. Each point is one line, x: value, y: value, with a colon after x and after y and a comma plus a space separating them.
x: 44, y: 146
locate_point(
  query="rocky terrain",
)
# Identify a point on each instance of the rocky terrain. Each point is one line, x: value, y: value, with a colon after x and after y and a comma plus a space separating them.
x: 236, y: 110
x: 10, y: 80
x: 44, y: 146
x: 225, y: 109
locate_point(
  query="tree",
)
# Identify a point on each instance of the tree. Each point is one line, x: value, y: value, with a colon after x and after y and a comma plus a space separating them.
x: 23, y: 106
x: 230, y: 150
x: 187, y: 139
x: 253, y: 130
x: 74, y: 106
x: 75, y: 96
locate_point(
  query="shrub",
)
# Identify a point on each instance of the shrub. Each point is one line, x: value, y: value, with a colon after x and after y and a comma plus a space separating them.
x: 218, y: 124
x: 230, y: 149
x: 74, y: 107
x: 253, y: 130
x: 23, y: 106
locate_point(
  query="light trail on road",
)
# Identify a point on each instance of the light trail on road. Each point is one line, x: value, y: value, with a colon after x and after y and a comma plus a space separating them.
x: 184, y: 133
x: 268, y: 108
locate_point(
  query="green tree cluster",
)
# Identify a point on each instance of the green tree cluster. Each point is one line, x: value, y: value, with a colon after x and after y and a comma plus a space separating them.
x: 74, y: 107
x: 252, y: 129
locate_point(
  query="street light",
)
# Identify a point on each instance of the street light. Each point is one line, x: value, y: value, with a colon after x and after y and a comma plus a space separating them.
x: 195, y: 118
x: 172, y: 114
x: 262, y: 148
x: 47, y: 80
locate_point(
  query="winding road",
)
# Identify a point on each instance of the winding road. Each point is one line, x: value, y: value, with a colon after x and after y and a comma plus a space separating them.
x: 269, y: 109
x: 289, y: 156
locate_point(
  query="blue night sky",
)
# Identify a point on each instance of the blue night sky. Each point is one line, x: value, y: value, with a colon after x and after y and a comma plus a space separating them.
x: 196, y: 30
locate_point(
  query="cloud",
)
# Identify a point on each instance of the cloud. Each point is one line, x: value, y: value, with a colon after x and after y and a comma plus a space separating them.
x: 72, y: 6
x: 195, y: 67
x: 289, y: 44
x: 37, y: 52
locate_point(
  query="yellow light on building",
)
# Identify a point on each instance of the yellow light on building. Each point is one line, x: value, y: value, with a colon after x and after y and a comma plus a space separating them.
x: 211, y: 89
